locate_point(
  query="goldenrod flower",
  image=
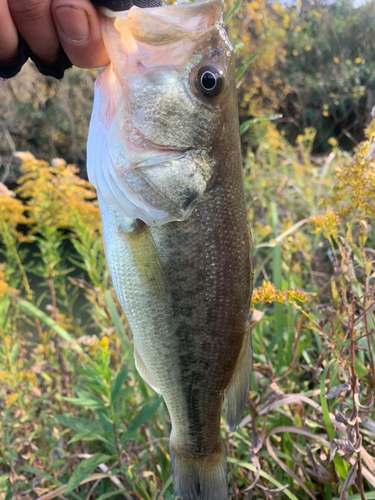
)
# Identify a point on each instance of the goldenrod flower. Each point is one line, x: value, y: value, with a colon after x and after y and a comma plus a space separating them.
x: 10, y: 400
x: 267, y: 293
x: 332, y: 141
x: 328, y: 223
x: 56, y: 195
x: 104, y: 343
x: 4, y: 287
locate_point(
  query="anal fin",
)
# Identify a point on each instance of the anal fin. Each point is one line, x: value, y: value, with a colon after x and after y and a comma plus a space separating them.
x: 237, y: 391
x: 144, y: 372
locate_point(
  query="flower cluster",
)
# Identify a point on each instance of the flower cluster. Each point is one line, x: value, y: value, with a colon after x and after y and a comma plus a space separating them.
x: 11, y: 212
x: 328, y: 223
x: 354, y: 191
x: 4, y: 286
x: 56, y: 195
x: 268, y: 293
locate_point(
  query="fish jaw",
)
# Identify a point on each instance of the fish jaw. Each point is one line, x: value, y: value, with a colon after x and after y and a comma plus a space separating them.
x: 147, y: 111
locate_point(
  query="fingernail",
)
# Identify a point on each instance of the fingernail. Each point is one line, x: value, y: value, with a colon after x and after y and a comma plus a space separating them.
x: 73, y: 22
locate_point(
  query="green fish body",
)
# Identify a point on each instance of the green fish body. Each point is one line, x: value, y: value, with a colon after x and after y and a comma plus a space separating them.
x: 164, y: 154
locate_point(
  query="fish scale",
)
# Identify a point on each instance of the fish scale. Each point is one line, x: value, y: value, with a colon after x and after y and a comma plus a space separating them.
x: 175, y: 224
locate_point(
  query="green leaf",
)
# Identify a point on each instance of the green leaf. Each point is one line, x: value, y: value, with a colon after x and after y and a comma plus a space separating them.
x: 78, y: 424
x: 240, y: 71
x: 148, y: 410
x: 37, y: 313
x: 84, y: 469
x: 323, y: 402
x: 86, y: 399
x: 124, y: 393
x: 369, y: 496
x: 89, y: 436
x: 360, y: 369
x: 118, y: 383
x: 93, y: 404
x: 111, y: 494
x: 269, y: 478
x: 37, y: 472
x: 244, y: 127
x: 117, y: 322
x: 127, y: 436
x: 232, y: 11
x: 340, y: 466
x: 165, y: 487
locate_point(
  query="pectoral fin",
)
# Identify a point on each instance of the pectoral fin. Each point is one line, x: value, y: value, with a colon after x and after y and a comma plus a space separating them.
x: 237, y: 392
x: 143, y: 371
x: 145, y: 255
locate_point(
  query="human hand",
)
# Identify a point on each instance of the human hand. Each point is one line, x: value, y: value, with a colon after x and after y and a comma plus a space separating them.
x: 45, y: 24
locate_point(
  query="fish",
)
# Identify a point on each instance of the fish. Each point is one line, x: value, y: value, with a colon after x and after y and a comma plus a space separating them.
x: 164, y: 155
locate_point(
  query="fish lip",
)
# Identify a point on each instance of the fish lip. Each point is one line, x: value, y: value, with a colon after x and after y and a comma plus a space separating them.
x: 153, y: 161
x: 153, y: 147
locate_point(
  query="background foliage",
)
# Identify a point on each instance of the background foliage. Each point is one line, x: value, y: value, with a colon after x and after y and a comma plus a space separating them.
x: 76, y: 420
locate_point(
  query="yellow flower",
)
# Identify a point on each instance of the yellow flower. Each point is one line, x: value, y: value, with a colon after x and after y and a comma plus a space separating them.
x: 297, y: 28
x: 327, y: 223
x: 295, y: 53
x: 348, y: 61
x: 10, y: 400
x: 308, y: 48
x: 104, y: 343
x: 4, y: 287
x: 325, y: 113
x: 246, y: 38
x: 254, y: 5
x: 332, y: 141
x: 354, y: 190
x: 336, y: 60
x: 56, y: 195
x: 267, y: 293
x: 358, y: 60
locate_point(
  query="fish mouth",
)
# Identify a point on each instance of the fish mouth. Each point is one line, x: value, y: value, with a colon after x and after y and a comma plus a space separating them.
x: 139, y: 144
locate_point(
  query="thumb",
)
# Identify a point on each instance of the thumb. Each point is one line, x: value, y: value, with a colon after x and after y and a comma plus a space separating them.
x: 78, y: 27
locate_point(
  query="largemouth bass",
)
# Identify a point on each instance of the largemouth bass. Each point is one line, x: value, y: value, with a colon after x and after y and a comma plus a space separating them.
x: 164, y: 155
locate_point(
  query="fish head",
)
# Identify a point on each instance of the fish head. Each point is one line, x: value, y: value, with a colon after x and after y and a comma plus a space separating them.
x: 164, y: 110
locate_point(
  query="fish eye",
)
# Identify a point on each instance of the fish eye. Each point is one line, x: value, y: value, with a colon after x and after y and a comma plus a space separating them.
x: 209, y: 81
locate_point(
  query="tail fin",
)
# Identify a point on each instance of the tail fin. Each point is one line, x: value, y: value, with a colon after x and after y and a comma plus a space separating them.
x: 200, y: 478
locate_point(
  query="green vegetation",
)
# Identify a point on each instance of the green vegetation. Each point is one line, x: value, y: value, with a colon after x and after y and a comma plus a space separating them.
x: 76, y: 420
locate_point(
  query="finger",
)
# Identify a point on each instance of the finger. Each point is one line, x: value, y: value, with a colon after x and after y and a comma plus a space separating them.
x: 78, y: 26
x: 8, y: 35
x: 33, y: 19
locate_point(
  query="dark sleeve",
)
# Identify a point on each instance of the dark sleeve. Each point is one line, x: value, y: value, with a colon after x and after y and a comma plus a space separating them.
x: 63, y: 63
x: 127, y: 4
